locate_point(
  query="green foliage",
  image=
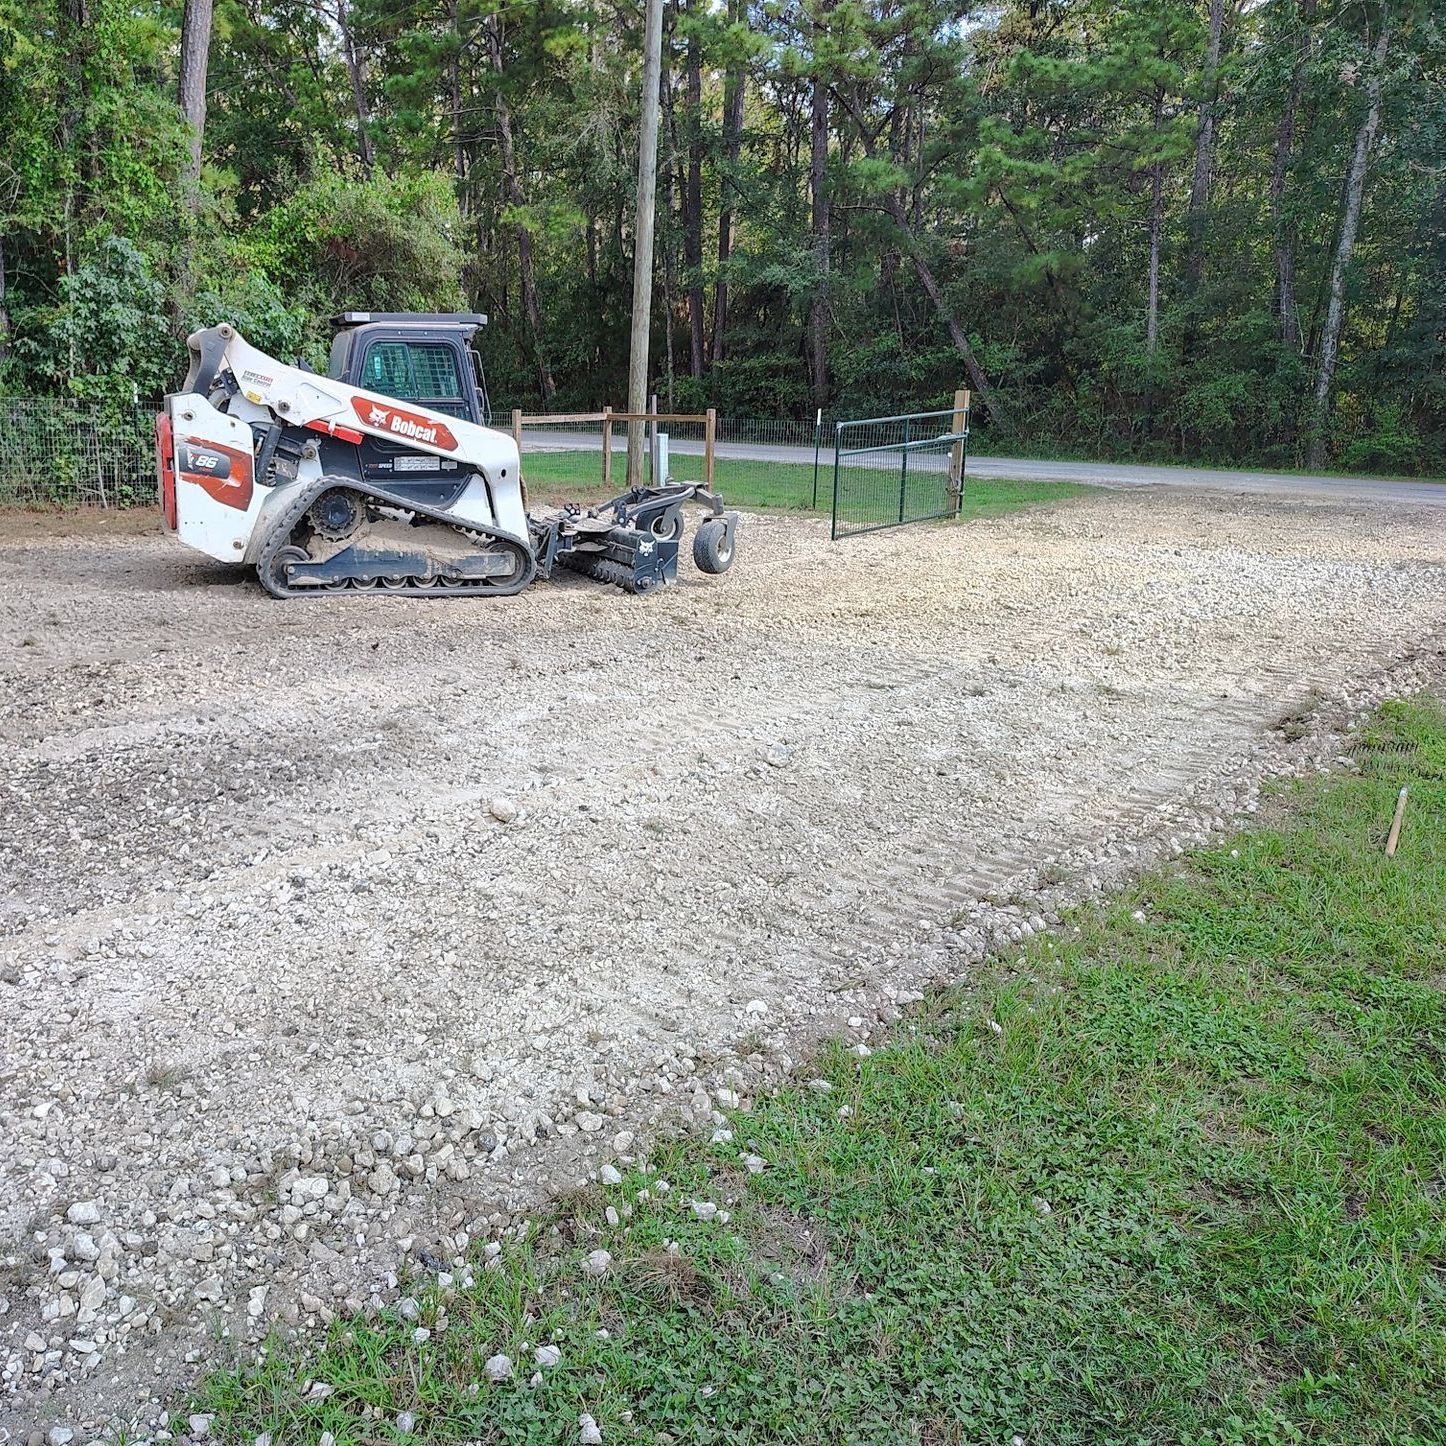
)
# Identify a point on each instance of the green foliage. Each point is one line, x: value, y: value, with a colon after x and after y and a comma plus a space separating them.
x: 107, y: 335
x: 1023, y: 154
x: 382, y: 244
x: 1170, y: 1176
x: 1387, y: 444
x: 762, y: 385
x: 257, y: 307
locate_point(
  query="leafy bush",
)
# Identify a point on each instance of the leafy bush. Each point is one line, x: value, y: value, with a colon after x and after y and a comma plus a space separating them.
x: 385, y: 244
x: 256, y: 307
x: 766, y: 385
x: 1389, y: 445
x: 106, y: 336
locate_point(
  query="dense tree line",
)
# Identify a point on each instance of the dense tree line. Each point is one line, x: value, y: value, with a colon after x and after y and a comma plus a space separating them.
x: 1155, y: 227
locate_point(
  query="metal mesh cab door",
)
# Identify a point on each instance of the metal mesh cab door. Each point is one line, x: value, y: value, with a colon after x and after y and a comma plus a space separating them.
x: 428, y: 372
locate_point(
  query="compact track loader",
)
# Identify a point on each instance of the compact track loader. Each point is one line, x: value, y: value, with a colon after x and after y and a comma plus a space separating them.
x: 382, y: 474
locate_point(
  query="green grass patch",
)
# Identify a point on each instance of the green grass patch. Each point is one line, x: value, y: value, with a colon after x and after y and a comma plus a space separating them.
x: 556, y: 477
x: 1172, y: 1176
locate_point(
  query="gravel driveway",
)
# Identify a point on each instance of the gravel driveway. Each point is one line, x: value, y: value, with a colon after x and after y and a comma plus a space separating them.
x: 333, y: 933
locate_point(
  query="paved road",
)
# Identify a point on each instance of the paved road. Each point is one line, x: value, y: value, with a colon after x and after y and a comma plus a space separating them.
x: 1096, y: 474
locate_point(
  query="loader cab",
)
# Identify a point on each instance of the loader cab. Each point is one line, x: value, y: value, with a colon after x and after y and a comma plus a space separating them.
x: 426, y: 358
x: 414, y: 356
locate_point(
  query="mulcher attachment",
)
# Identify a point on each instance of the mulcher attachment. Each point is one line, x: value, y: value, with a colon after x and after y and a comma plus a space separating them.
x: 634, y: 561
x: 632, y: 541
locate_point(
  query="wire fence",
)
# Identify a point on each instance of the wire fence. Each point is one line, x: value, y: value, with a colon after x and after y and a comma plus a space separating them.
x: 74, y: 452
x: 68, y: 452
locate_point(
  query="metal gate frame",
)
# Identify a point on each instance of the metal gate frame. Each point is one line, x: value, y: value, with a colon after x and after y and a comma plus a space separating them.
x: 956, y: 438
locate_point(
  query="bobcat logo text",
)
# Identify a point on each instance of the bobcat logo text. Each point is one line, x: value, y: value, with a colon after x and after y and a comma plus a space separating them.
x: 401, y: 423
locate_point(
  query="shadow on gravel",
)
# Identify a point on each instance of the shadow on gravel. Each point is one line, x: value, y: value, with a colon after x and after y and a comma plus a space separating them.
x: 162, y: 573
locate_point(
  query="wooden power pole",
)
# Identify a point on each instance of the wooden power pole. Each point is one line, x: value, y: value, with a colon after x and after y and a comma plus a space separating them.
x: 643, y: 237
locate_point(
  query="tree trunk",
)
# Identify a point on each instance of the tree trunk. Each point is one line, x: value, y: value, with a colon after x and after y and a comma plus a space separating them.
x: 734, y: 85
x: 817, y: 173
x: 77, y: 45
x: 4, y: 304
x: 195, y: 58
x: 1350, y: 220
x: 1283, y: 229
x: 1157, y: 180
x: 354, y: 69
x: 693, y: 203
x: 1152, y: 318
x: 514, y: 197
x: 1204, y: 151
x: 972, y: 369
x: 672, y: 156
x: 1152, y: 314
x: 454, y: 106
x: 895, y: 207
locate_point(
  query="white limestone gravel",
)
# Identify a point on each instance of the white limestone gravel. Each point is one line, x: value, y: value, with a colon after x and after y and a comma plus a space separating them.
x: 333, y: 935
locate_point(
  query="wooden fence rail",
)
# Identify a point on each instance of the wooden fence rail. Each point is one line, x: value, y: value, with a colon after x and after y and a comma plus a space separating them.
x: 707, y: 420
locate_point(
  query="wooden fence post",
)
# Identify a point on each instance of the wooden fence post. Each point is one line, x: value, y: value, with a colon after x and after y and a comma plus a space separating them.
x: 607, y: 448
x: 517, y: 437
x: 956, y: 457
x: 710, y: 436
x: 652, y: 435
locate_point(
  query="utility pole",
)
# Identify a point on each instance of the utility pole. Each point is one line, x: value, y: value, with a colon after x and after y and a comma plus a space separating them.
x: 643, y: 236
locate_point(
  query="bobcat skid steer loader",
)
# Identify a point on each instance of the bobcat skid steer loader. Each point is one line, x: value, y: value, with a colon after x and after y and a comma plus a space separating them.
x: 382, y: 474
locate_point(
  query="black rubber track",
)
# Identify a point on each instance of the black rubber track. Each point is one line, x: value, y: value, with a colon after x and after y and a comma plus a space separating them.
x: 280, y: 536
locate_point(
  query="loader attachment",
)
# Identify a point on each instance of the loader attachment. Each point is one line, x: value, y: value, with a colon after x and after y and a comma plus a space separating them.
x: 631, y: 540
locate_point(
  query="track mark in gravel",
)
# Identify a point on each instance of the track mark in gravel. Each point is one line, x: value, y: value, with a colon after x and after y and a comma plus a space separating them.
x: 863, y: 905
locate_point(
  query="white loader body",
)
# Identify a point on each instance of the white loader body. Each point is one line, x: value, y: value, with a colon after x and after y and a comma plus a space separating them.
x: 225, y: 517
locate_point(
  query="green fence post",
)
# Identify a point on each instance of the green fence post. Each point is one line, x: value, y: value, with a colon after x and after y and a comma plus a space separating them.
x: 904, y: 470
x: 963, y: 467
x: 837, y: 444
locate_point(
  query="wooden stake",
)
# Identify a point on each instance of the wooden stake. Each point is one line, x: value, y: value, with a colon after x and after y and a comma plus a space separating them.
x: 517, y: 437
x: 1395, y: 835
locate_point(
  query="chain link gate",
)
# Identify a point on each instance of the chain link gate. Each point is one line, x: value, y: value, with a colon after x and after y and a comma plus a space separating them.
x: 888, y: 471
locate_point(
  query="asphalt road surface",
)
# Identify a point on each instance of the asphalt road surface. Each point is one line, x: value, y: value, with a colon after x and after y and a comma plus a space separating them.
x: 1095, y: 474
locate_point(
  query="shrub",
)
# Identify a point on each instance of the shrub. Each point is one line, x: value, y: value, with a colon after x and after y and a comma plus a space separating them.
x: 106, y: 336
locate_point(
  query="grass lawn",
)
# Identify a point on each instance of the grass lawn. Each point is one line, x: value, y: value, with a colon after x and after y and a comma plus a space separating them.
x: 556, y: 477
x: 1175, y: 1176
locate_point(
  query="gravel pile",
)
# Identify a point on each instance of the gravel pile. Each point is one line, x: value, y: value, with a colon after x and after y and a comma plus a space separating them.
x: 335, y: 935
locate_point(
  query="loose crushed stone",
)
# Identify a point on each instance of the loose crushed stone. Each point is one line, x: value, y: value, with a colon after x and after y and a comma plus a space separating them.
x: 336, y: 935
